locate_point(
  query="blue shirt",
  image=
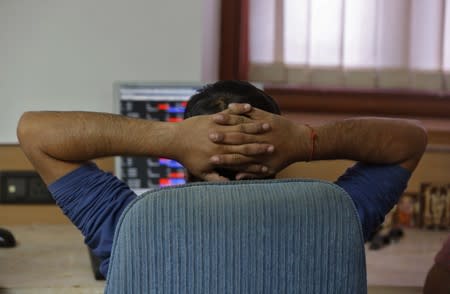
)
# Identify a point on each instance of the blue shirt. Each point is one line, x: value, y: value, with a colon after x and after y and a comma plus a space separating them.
x: 94, y: 200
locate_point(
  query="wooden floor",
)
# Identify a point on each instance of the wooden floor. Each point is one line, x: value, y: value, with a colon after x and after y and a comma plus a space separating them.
x: 53, y: 259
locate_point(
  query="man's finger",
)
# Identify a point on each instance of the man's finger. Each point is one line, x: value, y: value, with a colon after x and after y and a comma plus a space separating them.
x: 238, y: 135
x: 234, y: 138
x: 251, y: 149
x: 239, y: 108
x: 228, y: 160
x: 254, y: 128
x: 252, y: 112
x: 227, y: 119
x: 258, y: 114
x: 249, y: 176
x: 213, y: 177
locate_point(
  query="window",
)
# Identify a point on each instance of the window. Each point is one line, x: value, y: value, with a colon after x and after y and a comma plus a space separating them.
x: 403, y: 44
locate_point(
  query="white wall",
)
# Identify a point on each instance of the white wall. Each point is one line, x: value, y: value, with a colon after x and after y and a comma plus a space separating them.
x: 66, y: 54
x: 211, y: 40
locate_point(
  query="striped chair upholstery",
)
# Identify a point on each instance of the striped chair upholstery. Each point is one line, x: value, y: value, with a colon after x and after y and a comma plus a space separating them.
x: 276, y: 236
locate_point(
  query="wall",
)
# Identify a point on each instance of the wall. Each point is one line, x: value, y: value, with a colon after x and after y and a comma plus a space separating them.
x: 434, y: 167
x: 65, y: 55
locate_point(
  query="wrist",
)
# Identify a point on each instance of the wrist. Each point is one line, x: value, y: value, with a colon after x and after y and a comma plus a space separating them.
x: 302, y: 143
x: 312, y: 142
x: 160, y: 139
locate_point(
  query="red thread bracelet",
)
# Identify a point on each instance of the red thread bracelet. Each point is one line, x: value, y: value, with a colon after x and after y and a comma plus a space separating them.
x: 312, y: 137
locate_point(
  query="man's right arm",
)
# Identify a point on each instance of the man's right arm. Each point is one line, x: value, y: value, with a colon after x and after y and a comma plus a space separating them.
x: 57, y: 143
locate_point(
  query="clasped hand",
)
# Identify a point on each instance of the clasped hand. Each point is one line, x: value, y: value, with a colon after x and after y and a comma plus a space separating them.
x: 255, y: 143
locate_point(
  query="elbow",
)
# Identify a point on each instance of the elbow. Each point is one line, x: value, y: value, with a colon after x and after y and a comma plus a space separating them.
x: 414, y: 144
x: 26, y: 130
x: 417, y: 140
x: 421, y: 137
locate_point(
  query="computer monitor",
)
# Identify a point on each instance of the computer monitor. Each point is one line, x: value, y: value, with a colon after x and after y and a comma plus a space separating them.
x: 163, y: 102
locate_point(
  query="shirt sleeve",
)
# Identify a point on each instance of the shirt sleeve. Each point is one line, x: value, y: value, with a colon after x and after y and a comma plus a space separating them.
x: 374, y: 189
x: 93, y: 200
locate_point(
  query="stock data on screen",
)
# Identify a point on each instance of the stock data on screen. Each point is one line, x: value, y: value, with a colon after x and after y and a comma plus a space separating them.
x: 160, y: 103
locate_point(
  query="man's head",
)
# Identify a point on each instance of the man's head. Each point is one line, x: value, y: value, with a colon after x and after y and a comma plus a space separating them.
x: 214, y: 98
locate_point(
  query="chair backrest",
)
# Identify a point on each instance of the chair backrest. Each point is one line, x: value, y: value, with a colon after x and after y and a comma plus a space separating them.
x: 277, y: 236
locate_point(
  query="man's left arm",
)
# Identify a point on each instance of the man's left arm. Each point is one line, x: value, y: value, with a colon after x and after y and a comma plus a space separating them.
x: 370, y: 140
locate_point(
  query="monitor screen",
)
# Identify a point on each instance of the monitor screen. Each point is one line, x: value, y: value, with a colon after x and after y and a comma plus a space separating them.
x: 156, y: 102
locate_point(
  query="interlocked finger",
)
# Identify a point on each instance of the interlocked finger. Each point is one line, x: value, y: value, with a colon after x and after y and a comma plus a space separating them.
x: 249, y: 176
x: 252, y: 149
x: 239, y: 108
x: 230, y: 119
x: 235, y: 138
x: 229, y: 160
x: 214, y: 177
x: 254, y: 128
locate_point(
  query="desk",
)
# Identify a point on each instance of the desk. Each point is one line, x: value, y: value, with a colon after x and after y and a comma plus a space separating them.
x: 48, y: 259
x: 53, y: 259
x: 407, y: 262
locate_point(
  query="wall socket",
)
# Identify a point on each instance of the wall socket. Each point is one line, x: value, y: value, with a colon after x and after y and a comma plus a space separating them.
x: 23, y: 187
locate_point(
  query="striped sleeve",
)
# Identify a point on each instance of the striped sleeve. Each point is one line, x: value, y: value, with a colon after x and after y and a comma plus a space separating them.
x: 93, y: 200
x: 375, y: 189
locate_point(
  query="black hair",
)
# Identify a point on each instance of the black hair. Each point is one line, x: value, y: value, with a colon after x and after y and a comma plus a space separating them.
x: 214, y: 98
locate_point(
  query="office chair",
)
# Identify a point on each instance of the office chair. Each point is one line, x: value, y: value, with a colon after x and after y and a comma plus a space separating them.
x: 266, y: 236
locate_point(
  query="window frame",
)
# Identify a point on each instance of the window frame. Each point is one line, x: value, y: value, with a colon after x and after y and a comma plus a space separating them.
x: 234, y: 64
